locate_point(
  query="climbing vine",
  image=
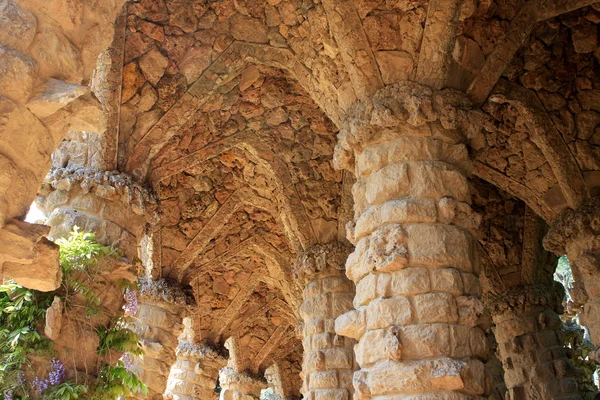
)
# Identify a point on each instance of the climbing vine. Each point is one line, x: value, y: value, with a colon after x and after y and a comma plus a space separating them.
x: 22, y: 315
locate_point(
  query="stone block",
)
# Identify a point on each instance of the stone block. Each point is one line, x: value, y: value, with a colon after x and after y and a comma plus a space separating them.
x: 331, y: 394
x: 513, y: 328
x: 321, y: 341
x: 410, y: 281
x: 439, y: 246
x: 337, y: 284
x: 447, y: 280
x: 399, y: 377
x: 425, y: 341
x: 357, y: 264
x: 377, y: 345
x: 388, y: 183
x: 437, y: 180
x: 460, y: 346
x: 401, y: 211
x: 366, y: 290
x: 435, y: 307
x: 340, y: 303
x: 313, y: 326
x: 479, y: 343
x: 323, y: 380
x: 383, y: 313
x: 351, y: 324
x: 316, y: 307
x: 338, y: 358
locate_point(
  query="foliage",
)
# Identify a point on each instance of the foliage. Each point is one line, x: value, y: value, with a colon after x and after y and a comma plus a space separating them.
x: 22, y: 312
x: 119, y: 338
x: 116, y: 381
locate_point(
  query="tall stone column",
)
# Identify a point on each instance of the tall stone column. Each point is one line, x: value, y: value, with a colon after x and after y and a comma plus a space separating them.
x: 536, y: 365
x: 158, y: 324
x: 236, y: 383
x: 576, y: 234
x: 417, y: 290
x: 328, y: 362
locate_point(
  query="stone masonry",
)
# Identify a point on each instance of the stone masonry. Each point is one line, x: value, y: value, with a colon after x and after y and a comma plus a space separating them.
x: 328, y: 357
x: 236, y: 150
x: 530, y: 346
x: 417, y: 292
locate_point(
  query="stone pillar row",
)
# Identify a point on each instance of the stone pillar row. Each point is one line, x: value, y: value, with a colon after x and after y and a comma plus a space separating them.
x: 417, y: 290
x: 328, y: 362
x: 530, y: 346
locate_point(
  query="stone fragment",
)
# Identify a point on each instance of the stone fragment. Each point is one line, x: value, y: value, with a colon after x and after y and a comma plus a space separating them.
x: 16, y: 75
x: 42, y: 273
x: 132, y: 81
x: 585, y: 37
x: 54, y: 95
x: 54, y: 319
x: 17, y: 26
x: 195, y: 61
x: 153, y: 65
x: 395, y: 66
x: 248, y: 29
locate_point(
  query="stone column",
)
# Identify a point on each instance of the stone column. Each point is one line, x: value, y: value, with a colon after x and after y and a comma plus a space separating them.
x: 417, y: 290
x: 109, y: 204
x: 239, y: 385
x: 576, y: 234
x: 158, y: 323
x: 281, y: 381
x: 196, y: 370
x: 536, y: 365
x: 328, y: 362
x: 236, y: 383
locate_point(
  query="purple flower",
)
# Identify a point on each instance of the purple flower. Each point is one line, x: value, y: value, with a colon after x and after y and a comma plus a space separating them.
x: 127, y: 359
x: 8, y: 394
x: 55, y: 377
x: 131, y: 306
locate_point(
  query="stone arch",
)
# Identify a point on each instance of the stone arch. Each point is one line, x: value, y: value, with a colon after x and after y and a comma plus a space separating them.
x: 233, y: 61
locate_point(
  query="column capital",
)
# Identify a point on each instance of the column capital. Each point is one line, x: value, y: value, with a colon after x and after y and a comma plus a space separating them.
x: 525, y: 298
x: 575, y: 231
x: 241, y: 382
x: 321, y: 260
x: 406, y: 109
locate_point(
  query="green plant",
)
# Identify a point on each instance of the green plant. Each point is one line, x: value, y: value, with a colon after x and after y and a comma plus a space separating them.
x: 116, y: 381
x: 119, y: 338
x: 22, y: 312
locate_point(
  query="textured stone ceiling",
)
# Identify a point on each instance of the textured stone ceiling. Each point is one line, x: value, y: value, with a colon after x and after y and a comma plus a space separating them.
x: 230, y: 110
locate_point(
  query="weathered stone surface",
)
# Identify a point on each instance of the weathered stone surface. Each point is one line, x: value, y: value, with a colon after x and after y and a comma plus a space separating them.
x: 54, y: 95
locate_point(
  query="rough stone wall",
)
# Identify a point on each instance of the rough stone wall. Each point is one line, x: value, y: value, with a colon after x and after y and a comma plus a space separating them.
x: 47, y: 55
